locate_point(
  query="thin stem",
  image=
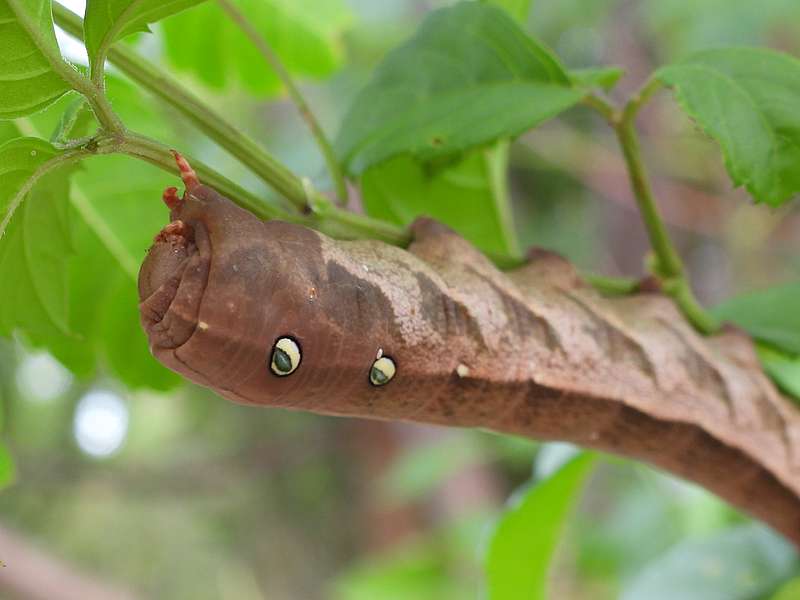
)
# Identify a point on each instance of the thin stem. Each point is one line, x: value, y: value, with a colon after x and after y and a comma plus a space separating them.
x: 606, y: 108
x: 323, y: 216
x: 640, y: 98
x: 342, y: 223
x: 496, y: 160
x: 667, y: 264
x: 294, y: 92
x: 611, y: 286
x: 163, y: 86
x: 681, y: 291
x: 108, y: 119
x: 159, y: 155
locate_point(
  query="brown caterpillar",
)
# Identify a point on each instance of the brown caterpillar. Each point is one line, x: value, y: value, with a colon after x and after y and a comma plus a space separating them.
x: 275, y: 314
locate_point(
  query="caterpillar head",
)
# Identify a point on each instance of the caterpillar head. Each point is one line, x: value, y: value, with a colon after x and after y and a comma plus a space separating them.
x: 276, y: 314
x: 228, y: 300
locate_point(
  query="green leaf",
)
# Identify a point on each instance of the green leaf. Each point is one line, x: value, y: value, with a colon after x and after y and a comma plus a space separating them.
x: 527, y: 535
x: 7, y: 470
x: 769, y: 315
x: 107, y: 21
x: 113, y: 224
x: 31, y: 67
x: 468, y: 195
x: 604, y: 78
x: 20, y: 159
x: 119, y: 210
x: 746, y: 99
x: 519, y: 9
x: 743, y: 563
x: 782, y: 368
x: 37, y: 242
x: 469, y: 76
x: 115, y: 229
x: 305, y: 34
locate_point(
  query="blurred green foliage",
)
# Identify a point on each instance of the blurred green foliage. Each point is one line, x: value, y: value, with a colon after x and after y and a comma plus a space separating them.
x: 306, y: 35
x: 743, y: 563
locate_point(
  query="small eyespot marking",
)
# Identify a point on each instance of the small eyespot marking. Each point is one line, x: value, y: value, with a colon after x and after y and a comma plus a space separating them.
x: 286, y: 357
x: 382, y: 371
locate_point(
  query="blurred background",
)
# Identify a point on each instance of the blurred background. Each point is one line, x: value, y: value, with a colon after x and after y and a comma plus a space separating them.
x: 126, y: 492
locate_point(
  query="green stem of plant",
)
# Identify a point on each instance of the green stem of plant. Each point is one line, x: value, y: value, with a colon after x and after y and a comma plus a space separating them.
x: 681, y: 291
x: 667, y: 263
x: 611, y: 286
x: 324, y: 215
x: 159, y: 155
x: 496, y: 160
x: 163, y: 86
x: 334, y: 168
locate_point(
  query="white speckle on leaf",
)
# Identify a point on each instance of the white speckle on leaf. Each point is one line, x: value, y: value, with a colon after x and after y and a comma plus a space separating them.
x: 33, y: 152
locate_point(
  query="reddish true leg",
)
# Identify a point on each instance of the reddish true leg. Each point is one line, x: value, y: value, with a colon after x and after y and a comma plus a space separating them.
x: 177, y: 233
x: 171, y: 198
x: 188, y: 175
x: 190, y: 180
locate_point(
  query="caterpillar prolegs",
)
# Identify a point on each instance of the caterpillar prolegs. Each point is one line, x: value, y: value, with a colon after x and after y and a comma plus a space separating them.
x: 275, y: 314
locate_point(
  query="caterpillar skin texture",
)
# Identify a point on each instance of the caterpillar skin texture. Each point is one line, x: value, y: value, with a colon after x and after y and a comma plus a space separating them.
x: 532, y: 352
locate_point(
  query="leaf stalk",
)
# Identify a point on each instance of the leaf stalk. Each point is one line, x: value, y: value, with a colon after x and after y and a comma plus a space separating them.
x: 264, y: 48
x: 666, y: 265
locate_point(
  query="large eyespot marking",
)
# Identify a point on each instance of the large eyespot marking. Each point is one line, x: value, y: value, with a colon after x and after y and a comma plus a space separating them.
x: 286, y: 357
x: 382, y: 371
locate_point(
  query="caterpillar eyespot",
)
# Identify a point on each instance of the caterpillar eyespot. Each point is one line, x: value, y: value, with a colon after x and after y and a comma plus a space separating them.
x: 286, y: 357
x: 382, y: 371
x: 533, y: 351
